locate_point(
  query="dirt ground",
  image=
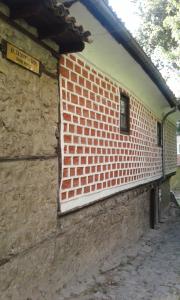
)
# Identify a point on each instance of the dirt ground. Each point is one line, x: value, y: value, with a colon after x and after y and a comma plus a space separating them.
x: 149, y: 270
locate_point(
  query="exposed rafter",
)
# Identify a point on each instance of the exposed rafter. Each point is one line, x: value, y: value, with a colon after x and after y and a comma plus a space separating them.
x: 52, y: 20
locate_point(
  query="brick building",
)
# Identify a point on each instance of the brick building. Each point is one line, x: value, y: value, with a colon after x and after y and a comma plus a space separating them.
x: 113, y: 101
x: 84, y: 166
x: 178, y: 150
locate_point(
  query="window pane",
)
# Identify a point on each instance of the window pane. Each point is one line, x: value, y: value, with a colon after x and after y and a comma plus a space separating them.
x: 123, y: 122
x: 124, y: 113
x: 123, y: 107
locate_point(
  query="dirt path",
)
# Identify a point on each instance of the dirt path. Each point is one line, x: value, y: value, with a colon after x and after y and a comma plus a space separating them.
x: 150, y: 270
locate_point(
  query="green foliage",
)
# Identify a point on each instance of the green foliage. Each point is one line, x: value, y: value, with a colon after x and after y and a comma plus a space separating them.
x: 159, y: 34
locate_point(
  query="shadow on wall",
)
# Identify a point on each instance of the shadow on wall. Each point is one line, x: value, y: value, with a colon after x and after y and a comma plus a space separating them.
x: 175, y: 181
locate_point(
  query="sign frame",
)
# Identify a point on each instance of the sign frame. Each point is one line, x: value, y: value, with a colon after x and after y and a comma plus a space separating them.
x: 21, y: 58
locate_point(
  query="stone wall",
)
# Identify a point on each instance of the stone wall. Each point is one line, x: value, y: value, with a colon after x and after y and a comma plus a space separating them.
x: 28, y: 116
x: 164, y: 188
x: 82, y: 242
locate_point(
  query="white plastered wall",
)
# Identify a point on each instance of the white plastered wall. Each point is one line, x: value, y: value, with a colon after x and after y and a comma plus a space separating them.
x: 112, y: 58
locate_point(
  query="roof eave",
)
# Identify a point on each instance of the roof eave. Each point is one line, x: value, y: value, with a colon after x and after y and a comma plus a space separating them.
x: 116, y: 28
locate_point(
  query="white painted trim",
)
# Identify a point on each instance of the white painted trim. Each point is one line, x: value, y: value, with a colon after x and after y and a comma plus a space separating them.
x: 90, y: 198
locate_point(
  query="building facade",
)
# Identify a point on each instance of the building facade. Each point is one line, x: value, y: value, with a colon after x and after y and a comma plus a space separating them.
x: 178, y: 150
x: 100, y: 157
x: 80, y: 151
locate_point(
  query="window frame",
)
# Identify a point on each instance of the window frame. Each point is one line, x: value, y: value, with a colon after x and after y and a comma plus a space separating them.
x: 126, y: 99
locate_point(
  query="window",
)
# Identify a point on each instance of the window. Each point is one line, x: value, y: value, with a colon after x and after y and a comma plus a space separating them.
x: 124, y: 114
x: 159, y: 134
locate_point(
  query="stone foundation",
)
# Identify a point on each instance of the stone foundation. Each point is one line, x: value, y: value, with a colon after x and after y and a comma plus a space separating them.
x: 82, y: 240
x: 164, y: 199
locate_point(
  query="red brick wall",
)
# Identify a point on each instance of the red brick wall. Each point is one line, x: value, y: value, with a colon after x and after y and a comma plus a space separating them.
x: 96, y: 155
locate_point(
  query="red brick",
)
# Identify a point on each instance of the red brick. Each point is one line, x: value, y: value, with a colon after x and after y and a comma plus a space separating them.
x: 73, y: 77
x: 86, y: 131
x: 85, y: 73
x: 83, y: 180
x: 89, y: 123
x: 82, y: 120
x: 65, y: 172
x: 70, y: 86
x: 67, y: 160
x: 64, y: 97
x: 83, y: 160
x: 90, y: 179
x: 98, y: 168
x: 93, y: 132
x: 67, y: 138
x: 67, y: 117
x: 78, y: 89
x: 75, y: 182
x: 78, y: 111
x: 64, y: 196
x: 64, y: 72
x: 76, y: 160
x: 99, y: 186
x: 71, y: 108
x: 83, y: 141
x: 85, y: 93
x: 88, y: 104
x: 79, y: 150
x: 81, y: 101
x: 78, y: 69
x: 80, y: 171
x: 93, y: 169
x: 63, y: 82
x: 79, y: 130
x: 81, y: 81
x: 76, y: 140
x: 71, y: 128
x: 91, y: 77
x: 72, y: 171
x: 70, y: 194
x: 87, y: 189
x: 74, y: 99
x: 66, y: 184
x: 87, y: 170
x: 69, y: 64
x: 75, y: 119
x: 86, y: 113
x: 92, y: 96
x: 97, y: 81
x: 88, y: 84
x: 72, y: 149
x: 102, y: 176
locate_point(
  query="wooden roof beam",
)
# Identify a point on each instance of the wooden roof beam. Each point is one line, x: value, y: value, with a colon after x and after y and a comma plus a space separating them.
x: 46, y: 33
x: 23, y: 12
x: 72, y: 48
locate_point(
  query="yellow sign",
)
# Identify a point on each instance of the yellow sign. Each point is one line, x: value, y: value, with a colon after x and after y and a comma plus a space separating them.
x: 21, y: 58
